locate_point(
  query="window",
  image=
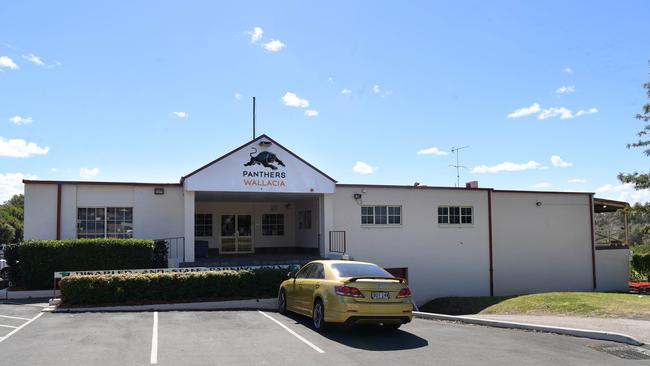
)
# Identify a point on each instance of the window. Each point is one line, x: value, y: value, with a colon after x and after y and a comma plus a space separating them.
x: 368, y: 215
x: 358, y: 270
x: 381, y: 215
x: 304, y: 219
x: 273, y: 224
x: 317, y: 272
x: 455, y: 215
x: 203, y: 225
x: 104, y: 222
x: 305, y: 271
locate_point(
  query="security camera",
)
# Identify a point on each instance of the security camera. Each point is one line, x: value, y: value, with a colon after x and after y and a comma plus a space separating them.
x: 538, y: 203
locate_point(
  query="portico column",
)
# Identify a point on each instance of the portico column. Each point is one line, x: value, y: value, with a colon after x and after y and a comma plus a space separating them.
x: 327, y: 222
x: 189, y: 225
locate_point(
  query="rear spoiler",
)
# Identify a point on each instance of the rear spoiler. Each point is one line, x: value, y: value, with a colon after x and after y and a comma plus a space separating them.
x: 354, y: 279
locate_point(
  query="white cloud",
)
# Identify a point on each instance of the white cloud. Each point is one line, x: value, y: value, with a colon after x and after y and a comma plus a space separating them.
x: 558, y: 162
x: 7, y: 62
x: 274, y: 45
x: 181, y: 114
x: 565, y: 89
x: 577, y: 180
x: 587, y: 111
x: 19, y: 148
x: 330, y: 79
x: 238, y: 96
x: 624, y: 192
x: 53, y: 170
x: 376, y: 89
x: 346, y: 91
x: 311, y: 113
x: 526, y: 111
x: 541, y: 185
x: 256, y: 34
x: 34, y: 59
x: 561, y: 112
x: 364, y: 168
x: 292, y: 100
x: 432, y: 151
x: 88, y: 173
x: 12, y: 184
x: 507, y: 167
x: 18, y: 120
x: 568, y: 70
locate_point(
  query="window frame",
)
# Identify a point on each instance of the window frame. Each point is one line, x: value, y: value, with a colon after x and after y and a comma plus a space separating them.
x: 279, y: 225
x: 106, y: 221
x: 204, y: 225
x: 456, y: 215
x: 380, y: 215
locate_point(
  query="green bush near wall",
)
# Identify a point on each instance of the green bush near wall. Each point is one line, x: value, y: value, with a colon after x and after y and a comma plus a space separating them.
x: 134, y: 288
x: 39, y: 259
x: 641, y: 264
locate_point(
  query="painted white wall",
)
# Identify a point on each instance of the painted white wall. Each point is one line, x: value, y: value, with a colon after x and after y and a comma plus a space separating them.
x: 442, y: 260
x: 188, y: 228
x: 541, y: 248
x: 307, y: 238
x: 227, y: 175
x: 40, y: 211
x: 612, y: 269
x: 154, y: 216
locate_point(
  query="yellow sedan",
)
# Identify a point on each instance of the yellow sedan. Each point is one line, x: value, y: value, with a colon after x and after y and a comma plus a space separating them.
x: 348, y: 292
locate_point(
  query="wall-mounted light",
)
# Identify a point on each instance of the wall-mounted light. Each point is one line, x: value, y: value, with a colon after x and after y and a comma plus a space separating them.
x: 159, y: 190
x: 357, y: 196
x: 538, y: 203
x: 265, y: 143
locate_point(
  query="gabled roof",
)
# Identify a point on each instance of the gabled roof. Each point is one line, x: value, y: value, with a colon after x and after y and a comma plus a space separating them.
x: 263, y: 136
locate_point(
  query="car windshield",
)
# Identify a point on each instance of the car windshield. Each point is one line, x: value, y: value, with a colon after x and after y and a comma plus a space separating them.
x: 358, y: 270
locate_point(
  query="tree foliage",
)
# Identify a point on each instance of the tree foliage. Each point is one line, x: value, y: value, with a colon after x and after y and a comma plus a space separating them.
x: 11, y: 220
x: 641, y: 180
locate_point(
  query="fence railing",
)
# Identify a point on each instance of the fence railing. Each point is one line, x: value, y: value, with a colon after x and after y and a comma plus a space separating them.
x: 337, y: 242
x: 175, y: 250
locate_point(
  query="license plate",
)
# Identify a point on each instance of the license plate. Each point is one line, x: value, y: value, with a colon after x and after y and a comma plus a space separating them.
x: 380, y: 296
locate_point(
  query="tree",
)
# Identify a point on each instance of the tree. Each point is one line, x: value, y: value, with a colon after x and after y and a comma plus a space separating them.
x: 11, y: 219
x: 641, y: 180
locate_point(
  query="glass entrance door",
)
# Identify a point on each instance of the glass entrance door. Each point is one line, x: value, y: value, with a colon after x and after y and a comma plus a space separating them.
x: 236, y: 233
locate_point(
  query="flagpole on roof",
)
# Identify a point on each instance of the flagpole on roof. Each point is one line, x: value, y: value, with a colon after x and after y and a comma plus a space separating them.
x: 253, y: 118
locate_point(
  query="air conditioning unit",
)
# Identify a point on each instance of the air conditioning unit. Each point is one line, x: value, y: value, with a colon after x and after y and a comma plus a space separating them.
x: 472, y: 184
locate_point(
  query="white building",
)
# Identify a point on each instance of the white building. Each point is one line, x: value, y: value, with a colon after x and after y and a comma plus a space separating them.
x: 262, y: 204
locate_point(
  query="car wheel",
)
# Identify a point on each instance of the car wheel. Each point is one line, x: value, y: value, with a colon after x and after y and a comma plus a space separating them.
x: 282, y: 302
x: 4, y: 274
x: 318, y: 316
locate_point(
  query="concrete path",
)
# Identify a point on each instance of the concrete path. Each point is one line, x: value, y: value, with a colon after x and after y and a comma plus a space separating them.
x: 639, y: 329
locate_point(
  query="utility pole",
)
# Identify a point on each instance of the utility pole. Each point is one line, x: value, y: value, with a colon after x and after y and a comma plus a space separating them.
x: 253, y: 118
x: 455, y: 150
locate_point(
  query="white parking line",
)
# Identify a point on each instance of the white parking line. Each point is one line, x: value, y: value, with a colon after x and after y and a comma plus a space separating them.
x: 21, y: 327
x: 154, y: 339
x: 8, y: 326
x: 292, y: 332
x: 13, y: 317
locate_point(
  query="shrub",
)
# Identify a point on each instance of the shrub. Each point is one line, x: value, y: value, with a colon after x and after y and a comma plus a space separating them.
x: 103, y: 289
x: 39, y: 259
x: 641, y: 264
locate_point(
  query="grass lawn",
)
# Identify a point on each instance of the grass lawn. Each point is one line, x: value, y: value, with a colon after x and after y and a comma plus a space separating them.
x: 590, y: 304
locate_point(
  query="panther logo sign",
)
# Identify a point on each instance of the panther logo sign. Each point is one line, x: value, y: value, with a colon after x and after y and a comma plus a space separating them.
x: 265, y: 158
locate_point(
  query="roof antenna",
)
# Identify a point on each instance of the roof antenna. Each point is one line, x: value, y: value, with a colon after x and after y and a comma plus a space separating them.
x: 253, y: 118
x: 457, y: 166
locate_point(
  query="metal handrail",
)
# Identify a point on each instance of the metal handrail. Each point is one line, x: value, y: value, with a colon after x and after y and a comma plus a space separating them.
x: 175, y: 249
x: 337, y: 241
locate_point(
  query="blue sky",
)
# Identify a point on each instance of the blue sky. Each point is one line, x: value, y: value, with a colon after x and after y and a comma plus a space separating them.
x: 151, y: 90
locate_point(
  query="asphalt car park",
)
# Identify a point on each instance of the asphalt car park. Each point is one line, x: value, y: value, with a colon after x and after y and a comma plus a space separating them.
x: 259, y: 337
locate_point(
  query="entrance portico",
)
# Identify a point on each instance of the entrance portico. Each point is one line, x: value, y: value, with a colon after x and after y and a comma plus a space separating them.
x: 260, y: 198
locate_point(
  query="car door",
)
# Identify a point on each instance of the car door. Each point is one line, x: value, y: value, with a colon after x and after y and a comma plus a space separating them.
x: 295, y: 296
x: 310, y: 284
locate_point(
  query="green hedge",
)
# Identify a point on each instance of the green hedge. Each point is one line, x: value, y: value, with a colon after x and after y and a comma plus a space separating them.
x: 641, y: 264
x: 111, y: 289
x: 39, y: 259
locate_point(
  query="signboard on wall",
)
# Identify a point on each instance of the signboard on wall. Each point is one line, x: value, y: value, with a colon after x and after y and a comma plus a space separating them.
x: 262, y: 165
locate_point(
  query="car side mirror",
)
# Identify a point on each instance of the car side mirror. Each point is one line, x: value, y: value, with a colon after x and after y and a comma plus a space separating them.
x: 291, y: 275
